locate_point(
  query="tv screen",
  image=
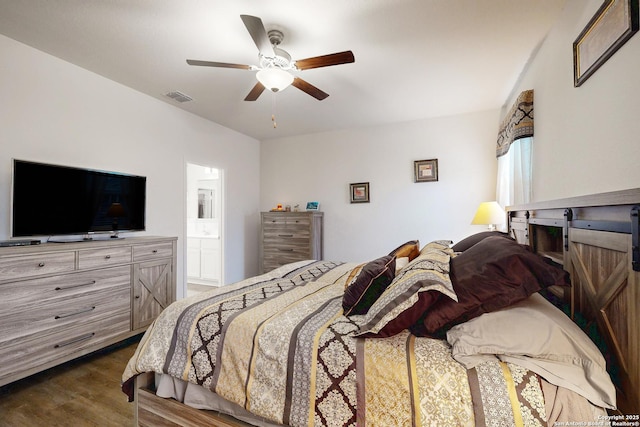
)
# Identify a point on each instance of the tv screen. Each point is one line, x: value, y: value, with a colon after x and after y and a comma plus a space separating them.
x: 52, y: 200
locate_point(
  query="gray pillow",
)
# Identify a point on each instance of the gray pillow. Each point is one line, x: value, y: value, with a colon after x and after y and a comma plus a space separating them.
x: 538, y: 336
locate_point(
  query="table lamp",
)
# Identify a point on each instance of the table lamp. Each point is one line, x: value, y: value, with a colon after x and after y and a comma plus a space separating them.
x: 489, y: 213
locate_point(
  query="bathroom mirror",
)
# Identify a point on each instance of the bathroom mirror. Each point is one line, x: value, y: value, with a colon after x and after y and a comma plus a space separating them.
x: 206, y: 203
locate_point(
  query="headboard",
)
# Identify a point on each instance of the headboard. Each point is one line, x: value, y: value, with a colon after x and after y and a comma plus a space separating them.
x: 596, y: 239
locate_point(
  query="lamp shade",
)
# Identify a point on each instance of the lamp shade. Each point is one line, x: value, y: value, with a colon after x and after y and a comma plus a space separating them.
x: 275, y: 79
x: 489, y: 213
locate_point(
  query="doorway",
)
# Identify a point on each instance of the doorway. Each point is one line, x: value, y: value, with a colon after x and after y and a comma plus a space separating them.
x: 204, y: 228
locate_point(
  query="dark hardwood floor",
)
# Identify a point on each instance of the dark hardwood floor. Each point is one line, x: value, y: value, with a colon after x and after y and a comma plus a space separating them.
x: 83, y: 392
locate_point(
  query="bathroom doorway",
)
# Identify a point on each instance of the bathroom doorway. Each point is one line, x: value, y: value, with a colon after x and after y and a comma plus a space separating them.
x: 204, y: 228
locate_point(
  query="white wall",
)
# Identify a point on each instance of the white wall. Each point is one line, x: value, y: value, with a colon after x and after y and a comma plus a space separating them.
x: 320, y: 168
x: 587, y: 139
x: 52, y: 111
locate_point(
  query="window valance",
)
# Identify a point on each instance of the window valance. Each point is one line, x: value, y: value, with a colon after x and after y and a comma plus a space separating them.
x: 517, y: 124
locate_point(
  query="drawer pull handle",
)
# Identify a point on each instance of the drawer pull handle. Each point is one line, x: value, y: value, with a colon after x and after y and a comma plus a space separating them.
x: 285, y: 250
x: 75, y: 313
x: 42, y: 264
x: 63, y: 288
x: 107, y: 257
x: 75, y: 340
x: 155, y: 251
x: 285, y: 235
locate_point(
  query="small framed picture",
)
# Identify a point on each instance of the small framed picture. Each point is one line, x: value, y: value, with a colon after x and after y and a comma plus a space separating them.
x: 313, y: 206
x: 359, y: 192
x: 425, y: 170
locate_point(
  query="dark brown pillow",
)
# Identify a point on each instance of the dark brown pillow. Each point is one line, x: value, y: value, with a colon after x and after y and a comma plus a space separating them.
x: 410, y: 250
x: 492, y: 274
x: 367, y: 284
x: 467, y: 242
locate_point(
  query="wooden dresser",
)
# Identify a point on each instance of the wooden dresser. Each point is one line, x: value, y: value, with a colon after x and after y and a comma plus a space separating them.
x: 59, y: 301
x: 288, y: 237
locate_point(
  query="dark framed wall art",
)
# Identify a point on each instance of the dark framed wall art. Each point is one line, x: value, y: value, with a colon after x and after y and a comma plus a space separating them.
x: 612, y: 25
x: 359, y: 192
x: 425, y: 170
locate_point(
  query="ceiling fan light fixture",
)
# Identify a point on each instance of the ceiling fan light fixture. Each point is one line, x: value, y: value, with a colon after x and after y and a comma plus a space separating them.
x: 274, y: 79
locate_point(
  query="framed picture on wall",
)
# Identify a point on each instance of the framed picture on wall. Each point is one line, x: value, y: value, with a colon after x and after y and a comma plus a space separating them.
x: 425, y: 170
x: 359, y: 192
x: 612, y: 25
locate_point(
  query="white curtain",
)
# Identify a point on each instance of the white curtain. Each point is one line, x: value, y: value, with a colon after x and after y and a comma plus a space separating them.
x: 514, y: 174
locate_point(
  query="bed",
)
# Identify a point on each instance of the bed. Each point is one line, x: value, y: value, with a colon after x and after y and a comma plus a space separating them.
x: 435, y: 335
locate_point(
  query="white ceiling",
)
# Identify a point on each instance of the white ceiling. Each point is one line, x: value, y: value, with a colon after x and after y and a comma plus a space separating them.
x: 414, y: 59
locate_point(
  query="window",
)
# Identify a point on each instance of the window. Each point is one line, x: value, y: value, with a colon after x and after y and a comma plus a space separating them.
x: 513, y: 150
x: 514, y: 174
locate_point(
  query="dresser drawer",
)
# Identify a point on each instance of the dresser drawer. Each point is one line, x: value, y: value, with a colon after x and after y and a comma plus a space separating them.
x: 276, y: 258
x: 17, y: 267
x: 152, y: 250
x: 294, y: 232
x: 28, y: 320
x: 286, y: 241
x: 44, y: 348
x: 270, y: 221
x: 272, y: 262
x: 290, y: 246
x: 284, y: 253
x: 269, y: 265
x: 18, y: 296
x: 104, y: 257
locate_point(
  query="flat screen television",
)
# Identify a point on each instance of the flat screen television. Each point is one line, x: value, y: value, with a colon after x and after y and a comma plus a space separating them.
x: 53, y: 200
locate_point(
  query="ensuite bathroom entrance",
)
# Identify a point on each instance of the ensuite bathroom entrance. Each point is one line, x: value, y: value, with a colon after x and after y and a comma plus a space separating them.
x: 204, y: 228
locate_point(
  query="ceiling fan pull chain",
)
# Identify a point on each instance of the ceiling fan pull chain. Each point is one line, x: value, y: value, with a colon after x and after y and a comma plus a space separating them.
x: 273, y: 110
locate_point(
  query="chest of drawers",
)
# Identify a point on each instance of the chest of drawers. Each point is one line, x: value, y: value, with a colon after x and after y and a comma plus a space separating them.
x: 62, y: 301
x: 288, y: 237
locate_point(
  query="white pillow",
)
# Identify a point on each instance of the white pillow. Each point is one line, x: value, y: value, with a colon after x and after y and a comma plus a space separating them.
x: 538, y: 336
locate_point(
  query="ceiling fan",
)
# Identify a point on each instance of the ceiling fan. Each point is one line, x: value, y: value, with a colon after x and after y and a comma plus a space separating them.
x: 275, y: 63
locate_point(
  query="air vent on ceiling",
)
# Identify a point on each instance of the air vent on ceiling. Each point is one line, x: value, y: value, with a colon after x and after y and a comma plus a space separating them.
x: 178, y: 96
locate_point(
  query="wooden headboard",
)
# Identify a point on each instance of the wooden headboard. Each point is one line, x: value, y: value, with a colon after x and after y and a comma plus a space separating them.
x: 596, y: 239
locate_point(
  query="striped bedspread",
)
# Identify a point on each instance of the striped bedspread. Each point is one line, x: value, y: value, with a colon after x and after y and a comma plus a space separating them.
x: 279, y: 346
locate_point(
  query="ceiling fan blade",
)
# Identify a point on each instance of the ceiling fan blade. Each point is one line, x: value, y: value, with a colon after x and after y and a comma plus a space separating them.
x: 309, y: 89
x: 259, y: 35
x: 345, y: 57
x: 255, y: 92
x: 217, y: 64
